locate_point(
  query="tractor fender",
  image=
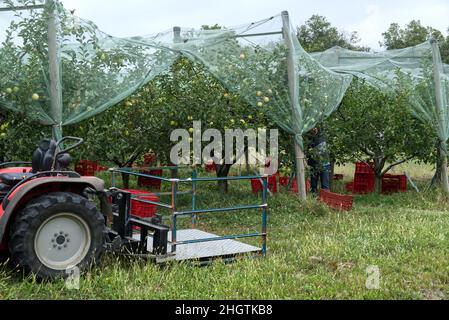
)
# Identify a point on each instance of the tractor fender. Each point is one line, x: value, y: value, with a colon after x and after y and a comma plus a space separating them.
x: 15, y: 198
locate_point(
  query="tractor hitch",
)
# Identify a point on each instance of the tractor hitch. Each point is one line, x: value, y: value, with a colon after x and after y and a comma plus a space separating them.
x: 122, y: 233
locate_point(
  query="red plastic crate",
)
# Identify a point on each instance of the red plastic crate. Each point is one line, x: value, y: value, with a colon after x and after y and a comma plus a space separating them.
x: 337, y: 201
x: 294, y: 187
x: 210, y: 167
x: 350, y: 187
x: 86, y: 167
x: 102, y: 168
x: 403, y: 183
x: 256, y: 185
x: 283, y: 181
x: 401, y: 180
x: 150, y: 182
x: 362, y: 167
x: 140, y: 209
x: 364, y: 183
x: 394, y: 183
x: 149, y: 159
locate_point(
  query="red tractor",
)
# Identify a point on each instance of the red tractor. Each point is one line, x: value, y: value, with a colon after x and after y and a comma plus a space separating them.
x: 49, y: 220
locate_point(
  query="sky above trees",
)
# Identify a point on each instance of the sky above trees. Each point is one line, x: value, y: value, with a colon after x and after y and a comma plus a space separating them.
x: 370, y: 18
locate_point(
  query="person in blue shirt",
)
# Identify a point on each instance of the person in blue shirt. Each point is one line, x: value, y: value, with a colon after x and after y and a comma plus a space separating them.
x: 318, y: 160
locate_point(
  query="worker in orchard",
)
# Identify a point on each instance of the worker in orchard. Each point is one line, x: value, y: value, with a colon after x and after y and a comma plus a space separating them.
x: 318, y: 160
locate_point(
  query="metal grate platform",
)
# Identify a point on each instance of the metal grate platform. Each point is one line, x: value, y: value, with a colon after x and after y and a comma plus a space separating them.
x: 204, y: 250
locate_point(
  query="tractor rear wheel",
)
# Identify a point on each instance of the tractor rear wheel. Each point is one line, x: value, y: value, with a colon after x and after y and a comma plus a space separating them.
x: 56, y: 233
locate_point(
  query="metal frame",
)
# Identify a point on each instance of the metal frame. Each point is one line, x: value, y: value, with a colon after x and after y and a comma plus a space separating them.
x: 122, y: 230
x: 22, y: 8
x: 194, y: 181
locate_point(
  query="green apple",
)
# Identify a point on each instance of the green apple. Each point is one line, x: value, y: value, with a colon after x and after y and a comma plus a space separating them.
x: 35, y: 97
x: 16, y: 89
x: 8, y: 90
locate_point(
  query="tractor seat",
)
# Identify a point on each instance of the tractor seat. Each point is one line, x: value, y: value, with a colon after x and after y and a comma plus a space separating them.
x: 11, y: 179
x: 44, y: 156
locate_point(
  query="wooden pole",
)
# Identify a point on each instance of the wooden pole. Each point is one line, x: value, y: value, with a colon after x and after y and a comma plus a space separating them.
x: 437, y: 70
x: 294, y: 96
x: 54, y: 70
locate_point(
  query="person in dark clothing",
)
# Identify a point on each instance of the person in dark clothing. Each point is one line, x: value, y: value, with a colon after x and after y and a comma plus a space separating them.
x: 318, y: 160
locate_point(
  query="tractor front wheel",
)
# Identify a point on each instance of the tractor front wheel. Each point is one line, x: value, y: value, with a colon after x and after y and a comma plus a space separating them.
x: 56, y: 233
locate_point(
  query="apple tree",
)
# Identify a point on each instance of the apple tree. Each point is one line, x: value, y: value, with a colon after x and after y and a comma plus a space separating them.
x: 379, y: 127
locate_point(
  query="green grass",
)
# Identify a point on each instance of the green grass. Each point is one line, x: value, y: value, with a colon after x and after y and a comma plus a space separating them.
x: 314, y: 253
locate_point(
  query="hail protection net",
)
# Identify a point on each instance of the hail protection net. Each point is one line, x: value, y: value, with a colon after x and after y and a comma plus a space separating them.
x: 252, y: 61
x: 419, y: 70
x: 96, y: 71
x: 93, y: 70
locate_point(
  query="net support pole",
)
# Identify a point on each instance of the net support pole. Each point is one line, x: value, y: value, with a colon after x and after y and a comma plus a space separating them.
x: 294, y: 96
x: 177, y: 34
x: 437, y: 70
x: 54, y: 70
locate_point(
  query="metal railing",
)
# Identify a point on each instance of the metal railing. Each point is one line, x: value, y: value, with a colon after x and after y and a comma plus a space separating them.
x: 194, y: 212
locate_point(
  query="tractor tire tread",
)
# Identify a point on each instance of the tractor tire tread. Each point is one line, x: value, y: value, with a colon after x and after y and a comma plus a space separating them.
x: 29, y: 219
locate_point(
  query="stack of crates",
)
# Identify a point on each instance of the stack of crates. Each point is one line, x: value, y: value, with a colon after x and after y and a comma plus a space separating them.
x: 151, y: 183
x: 149, y: 159
x: 394, y: 183
x: 86, y: 168
x: 364, y: 178
x: 156, y: 184
x: 256, y: 184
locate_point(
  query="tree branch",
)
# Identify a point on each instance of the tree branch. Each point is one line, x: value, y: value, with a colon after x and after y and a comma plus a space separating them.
x: 396, y: 164
x: 365, y: 150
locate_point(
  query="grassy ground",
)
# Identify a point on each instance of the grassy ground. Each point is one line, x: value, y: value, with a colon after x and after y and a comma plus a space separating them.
x: 314, y: 253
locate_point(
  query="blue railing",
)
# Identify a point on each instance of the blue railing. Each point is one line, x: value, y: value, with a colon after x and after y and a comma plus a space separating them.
x: 194, y: 212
